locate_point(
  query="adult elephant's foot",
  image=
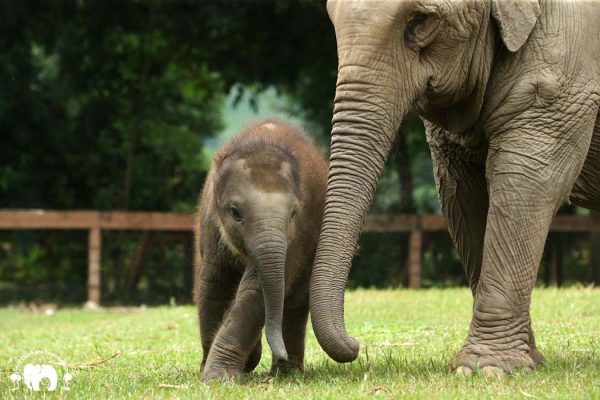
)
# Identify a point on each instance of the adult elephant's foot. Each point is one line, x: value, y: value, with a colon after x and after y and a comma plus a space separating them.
x: 489, y: 371
x: 534, y: 353
x: 500, y: 335
x: 490, y: 361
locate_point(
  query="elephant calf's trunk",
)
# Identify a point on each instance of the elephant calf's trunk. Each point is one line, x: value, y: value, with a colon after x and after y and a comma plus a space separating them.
x: 275, y: 339
x: 270, y: 259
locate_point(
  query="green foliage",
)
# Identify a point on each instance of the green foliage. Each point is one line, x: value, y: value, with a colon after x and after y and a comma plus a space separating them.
x: 106, y: 111
x: 380, y: 262
x: 166, y: 276
x: 43, y: 266
x: 441, y: 266
x: 106, y: 104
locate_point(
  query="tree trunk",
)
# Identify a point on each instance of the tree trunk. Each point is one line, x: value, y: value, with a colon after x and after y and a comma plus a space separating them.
x: 139, y: 262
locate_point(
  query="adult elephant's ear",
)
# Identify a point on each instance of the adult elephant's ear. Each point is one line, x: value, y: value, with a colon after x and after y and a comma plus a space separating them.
x: 516, y: 19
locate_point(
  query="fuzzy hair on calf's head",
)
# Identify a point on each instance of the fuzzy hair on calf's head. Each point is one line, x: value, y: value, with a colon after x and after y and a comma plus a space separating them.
x: 267, y: 144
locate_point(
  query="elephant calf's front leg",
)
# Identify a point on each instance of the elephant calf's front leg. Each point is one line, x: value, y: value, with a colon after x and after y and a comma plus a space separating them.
x: 234, y: 349
x: 215, y: 292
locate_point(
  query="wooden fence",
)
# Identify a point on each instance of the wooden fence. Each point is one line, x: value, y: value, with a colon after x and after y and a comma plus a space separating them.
x: 96, y: 221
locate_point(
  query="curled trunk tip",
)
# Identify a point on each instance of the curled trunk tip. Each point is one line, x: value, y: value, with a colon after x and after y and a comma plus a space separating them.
x: 332, y: 337
x: 343, y: 351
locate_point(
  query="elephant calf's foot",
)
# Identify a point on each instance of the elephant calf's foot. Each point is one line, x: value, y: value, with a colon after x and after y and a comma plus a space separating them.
x: 491, y: 361
x: 254, y: 358
x: 223, y: 366
x: 287, y: 367
x: 223, y: 374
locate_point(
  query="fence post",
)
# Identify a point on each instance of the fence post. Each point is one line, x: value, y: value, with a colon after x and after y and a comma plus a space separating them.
x: 414, y: 259
x: 94, y: 244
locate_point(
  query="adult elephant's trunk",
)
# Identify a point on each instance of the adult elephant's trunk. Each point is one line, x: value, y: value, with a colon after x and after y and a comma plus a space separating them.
x: 268, y: 250
x: 366, y: 118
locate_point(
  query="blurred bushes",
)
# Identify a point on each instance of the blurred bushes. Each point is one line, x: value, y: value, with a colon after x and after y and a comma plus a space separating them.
x: 45, y: 266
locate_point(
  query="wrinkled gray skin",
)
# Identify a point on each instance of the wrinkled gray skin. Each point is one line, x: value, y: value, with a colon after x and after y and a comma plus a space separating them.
x: 509, y: 92
x: 257, y: 232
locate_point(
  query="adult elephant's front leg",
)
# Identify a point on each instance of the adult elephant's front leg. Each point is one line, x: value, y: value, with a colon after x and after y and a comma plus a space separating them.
x: 462, y: 188
x: 530, y: 172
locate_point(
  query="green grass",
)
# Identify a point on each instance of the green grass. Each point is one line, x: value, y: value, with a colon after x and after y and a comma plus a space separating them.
x: 407, y: 341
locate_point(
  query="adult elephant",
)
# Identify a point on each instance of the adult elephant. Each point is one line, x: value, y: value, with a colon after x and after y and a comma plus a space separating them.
x: 509, y: 92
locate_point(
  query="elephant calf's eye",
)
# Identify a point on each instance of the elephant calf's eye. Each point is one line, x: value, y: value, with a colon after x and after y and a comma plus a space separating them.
x: 235, y: 213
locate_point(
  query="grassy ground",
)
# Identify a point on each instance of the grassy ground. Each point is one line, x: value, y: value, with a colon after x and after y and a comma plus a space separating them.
x: 407, y: 341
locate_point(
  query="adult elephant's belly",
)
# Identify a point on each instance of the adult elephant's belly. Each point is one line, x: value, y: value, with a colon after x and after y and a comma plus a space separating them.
x: 586, y: 191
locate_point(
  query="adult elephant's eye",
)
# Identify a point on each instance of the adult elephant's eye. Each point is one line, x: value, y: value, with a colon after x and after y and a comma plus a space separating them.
x: 417, y: 20
x: 235, y: 213
x: 421, y: 29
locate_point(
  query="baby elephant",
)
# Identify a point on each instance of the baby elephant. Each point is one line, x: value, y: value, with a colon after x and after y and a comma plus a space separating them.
x: 256, y: 234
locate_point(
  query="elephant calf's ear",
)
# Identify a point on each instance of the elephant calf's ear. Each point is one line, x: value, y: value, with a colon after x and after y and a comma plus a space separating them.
x: 516, y: 19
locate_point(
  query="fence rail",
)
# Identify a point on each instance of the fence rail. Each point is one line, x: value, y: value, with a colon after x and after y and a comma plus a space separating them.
x: 96, y: 221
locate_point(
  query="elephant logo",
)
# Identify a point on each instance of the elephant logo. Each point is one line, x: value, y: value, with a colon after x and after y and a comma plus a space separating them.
x: 38, y: 371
